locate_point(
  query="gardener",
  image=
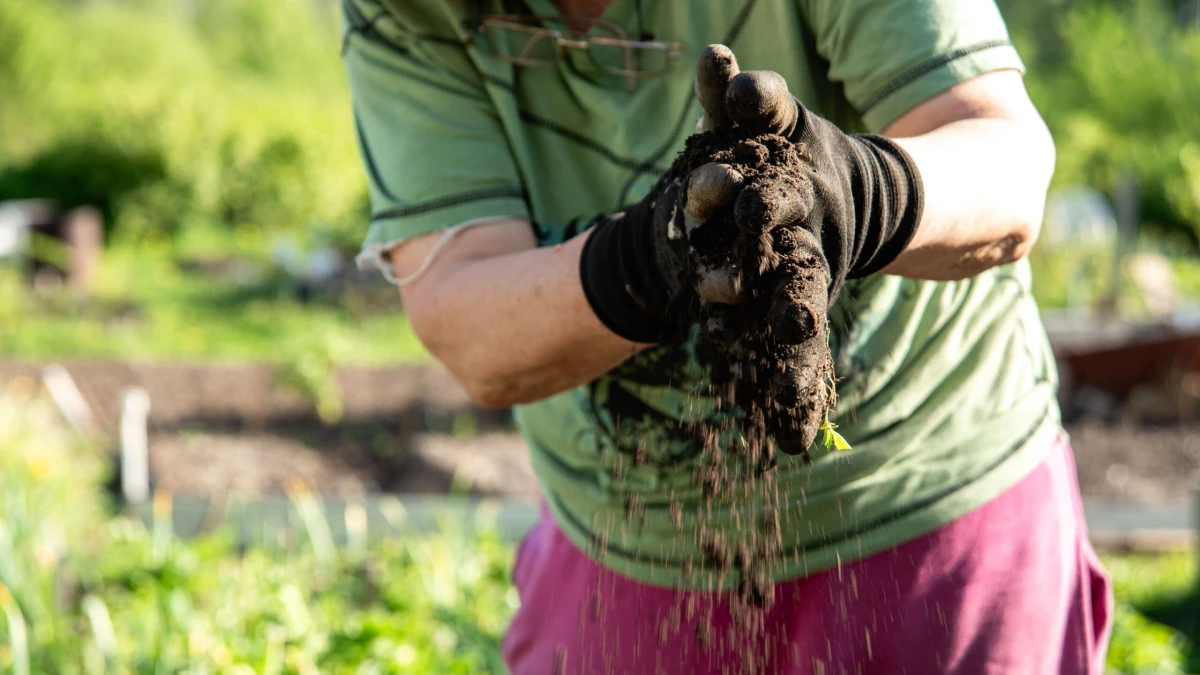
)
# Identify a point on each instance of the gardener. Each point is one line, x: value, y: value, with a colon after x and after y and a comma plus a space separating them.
x: 515, y: 149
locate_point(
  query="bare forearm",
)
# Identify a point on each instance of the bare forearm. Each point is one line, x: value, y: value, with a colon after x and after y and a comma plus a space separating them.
x: 515, y: 328
x: 985, y: 189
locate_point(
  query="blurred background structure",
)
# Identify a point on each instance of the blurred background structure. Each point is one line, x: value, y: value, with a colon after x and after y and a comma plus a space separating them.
x: 209, y: 418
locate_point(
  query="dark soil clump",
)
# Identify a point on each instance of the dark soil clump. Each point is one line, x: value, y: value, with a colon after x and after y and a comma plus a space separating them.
x: 768, y: 351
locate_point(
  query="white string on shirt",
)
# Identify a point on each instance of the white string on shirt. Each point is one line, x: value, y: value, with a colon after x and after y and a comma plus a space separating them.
x: 379, y: 252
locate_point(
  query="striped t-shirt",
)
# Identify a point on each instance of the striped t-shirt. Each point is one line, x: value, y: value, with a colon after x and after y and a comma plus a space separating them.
x: 947, y: 389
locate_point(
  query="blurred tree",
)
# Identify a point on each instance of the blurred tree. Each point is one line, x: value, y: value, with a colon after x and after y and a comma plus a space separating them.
x: 1118, y: 86
x: 83, y: 171
x: 222, y: 112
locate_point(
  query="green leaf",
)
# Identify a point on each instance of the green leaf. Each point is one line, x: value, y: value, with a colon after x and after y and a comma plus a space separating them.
x: 831, y: 439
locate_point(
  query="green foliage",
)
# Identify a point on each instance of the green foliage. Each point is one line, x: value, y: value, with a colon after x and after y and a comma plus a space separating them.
x: 1081, y: 276
x: 1157, y: 624
x: 310, y: 370
x: 1116, y: 83
x: 830, y: 439
x: 153, y: 303
x: 97, y: 594
x: 236, y: 113
x: 51, y: 504
x: 84, y: 171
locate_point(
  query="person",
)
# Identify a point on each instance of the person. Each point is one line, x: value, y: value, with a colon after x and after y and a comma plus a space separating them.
x: 518, y: 154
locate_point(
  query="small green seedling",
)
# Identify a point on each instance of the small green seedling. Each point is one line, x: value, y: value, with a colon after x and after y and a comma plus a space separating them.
x: 831, y: 439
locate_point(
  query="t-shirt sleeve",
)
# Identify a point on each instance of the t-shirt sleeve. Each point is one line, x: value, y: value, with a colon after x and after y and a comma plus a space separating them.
x: 431, y: 142
x: 891, y: 55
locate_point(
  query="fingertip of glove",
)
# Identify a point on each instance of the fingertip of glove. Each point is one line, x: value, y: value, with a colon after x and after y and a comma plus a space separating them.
x: 714, y: 71
x: 717, y: 58
x: 760, y: 101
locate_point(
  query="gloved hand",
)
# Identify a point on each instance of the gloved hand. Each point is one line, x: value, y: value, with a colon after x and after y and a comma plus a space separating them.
x: 816, y: 206
x: 637, y: 268
x: 860, y: 196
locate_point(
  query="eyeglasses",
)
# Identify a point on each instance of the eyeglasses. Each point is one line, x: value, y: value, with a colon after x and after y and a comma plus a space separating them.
x: 522, y: 41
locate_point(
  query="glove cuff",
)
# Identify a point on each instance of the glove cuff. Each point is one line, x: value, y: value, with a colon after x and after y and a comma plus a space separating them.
x: 620, y: 276
x: 894, y: 212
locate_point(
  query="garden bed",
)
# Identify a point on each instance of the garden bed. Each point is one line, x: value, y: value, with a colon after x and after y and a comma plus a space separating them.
x: 238, y: 428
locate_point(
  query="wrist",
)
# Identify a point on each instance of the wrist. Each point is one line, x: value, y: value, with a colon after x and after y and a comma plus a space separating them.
x: 620, y: 279
x: 894, y: 201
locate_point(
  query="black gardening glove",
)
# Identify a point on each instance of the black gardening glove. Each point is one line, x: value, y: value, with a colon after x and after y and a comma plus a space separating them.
x: 635, y: 266
x: 859, y: 195
x: 816, y: 206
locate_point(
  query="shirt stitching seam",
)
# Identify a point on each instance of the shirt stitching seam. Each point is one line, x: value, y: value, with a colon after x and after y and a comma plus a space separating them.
x: 573, y: 136
x: 925, y: 67
x: 447, y: 202
x: 359, y: 24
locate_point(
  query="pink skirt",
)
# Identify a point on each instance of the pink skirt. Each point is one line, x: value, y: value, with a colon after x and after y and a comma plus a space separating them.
x: 1012, y: 587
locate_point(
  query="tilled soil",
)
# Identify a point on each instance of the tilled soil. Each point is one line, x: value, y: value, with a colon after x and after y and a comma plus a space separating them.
x: 494, y: 464
x: 1153, y: 465
x: 197, y: 408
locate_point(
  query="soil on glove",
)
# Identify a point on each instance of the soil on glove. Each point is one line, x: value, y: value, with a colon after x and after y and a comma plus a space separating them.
x: 769, y: 354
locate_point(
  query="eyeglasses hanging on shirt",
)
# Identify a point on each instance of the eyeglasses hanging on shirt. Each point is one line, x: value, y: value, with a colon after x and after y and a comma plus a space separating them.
x: 523, y: 41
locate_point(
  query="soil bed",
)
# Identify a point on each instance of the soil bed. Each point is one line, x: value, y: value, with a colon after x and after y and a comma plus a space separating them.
x: 198, y: 409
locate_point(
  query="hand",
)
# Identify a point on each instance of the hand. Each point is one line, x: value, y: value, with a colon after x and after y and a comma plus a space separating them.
x: 815, y: 206
x: 859, y: 196
x: 637, y: 268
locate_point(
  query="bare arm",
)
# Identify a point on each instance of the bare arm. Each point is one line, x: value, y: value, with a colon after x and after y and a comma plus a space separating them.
x: 985, y: 158
x: 511, y: 322
x: 508, y: 319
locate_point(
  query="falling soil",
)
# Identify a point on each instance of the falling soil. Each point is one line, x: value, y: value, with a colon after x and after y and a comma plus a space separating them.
x: 771, y: 373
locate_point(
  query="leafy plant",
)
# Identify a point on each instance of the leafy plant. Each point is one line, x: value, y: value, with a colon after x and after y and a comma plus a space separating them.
x: 1116, y: 84
x: 231, y: 114
x: 93, y: 593
x: 1156, y: 628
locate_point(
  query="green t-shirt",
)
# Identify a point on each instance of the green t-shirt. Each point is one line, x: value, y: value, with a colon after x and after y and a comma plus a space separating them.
x: 947, y: 389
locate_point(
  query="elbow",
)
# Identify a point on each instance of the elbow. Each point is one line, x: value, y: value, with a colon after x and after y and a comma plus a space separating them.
x: 1027, y: 224
x: 1025, y: 221
x: 470, y: 358
x: 491, y: 394
x: 484, y: 387
x: 1014, y: 245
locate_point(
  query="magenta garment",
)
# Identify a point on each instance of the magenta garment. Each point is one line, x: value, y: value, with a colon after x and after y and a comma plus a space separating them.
x: 1012, y: 587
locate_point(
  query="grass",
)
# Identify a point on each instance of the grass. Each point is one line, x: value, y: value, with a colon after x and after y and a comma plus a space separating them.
x: 151, y: 303
x: 84, y: 591
x: 1157, y: 623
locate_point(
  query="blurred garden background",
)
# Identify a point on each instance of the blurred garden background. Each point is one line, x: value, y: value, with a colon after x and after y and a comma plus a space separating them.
x: 214, y: 140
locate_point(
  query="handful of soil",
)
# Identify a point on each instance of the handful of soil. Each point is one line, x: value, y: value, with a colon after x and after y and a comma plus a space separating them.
x: 763, y: 287
x: 763, y: 282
